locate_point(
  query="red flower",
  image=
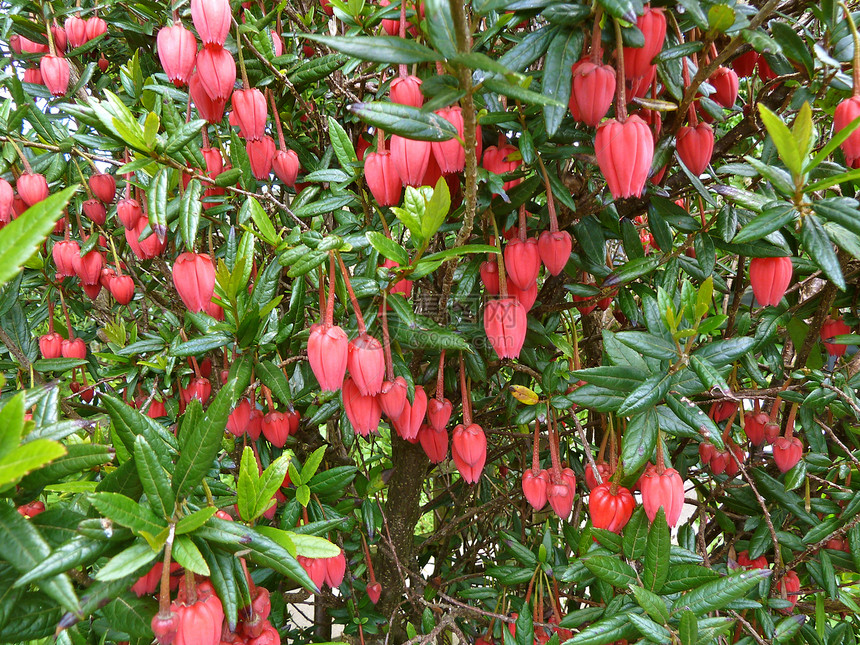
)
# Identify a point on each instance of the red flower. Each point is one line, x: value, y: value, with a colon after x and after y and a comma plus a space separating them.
x: 217, y: 72
x: 450, y: 154
x: 638, y: 60
x: 666, y: 490
x: 535, y: 486
x: 769, y: 278
x: 177, y: 51
x: 610, y: 506
x: 261, y: 155
x: 363, y: 412
x: 327, y: 354
x: 32, y: 188
x: 285, y: 163
x: 695, y: 146
x: 410, y: 159
x: 382, y: 178
x: 832, y: 328
x: 624, y: 153
x: 505, y: 324
x: 211, y: 20
x: 406, y: 90
x: 592, y: 91
x: 250, y: 110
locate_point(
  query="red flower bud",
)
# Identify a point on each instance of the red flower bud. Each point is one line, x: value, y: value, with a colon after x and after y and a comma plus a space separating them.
x: 129, y: 212
x: 848, y: 110
x: 76, y: 31
x: 745, y: 561
x: 198, y: 388
x: 89, y: 267
x: 285, y: 163
x: 255, y: 424
x: 790, y: 586
x: 391, y: 27
x: 695, y: 146
x: 55, y: 74
x: 217, y: 71
x: 147, y: 248
x: 434, y: 442
x: 745, y: 63
x: 95, y: 211
x: 66, y: 254
x: 638, y: 60
x: 239, y: 418
x: 7, y: 199
x: 103, y: 186
x: 522, y: 261
x: 165, y: 627
x: 95, y: 28
x: 624, y: 153
x: 33, y: 75
x: 211, y: 20
x: 560, y: 494
x: 554, y: 248
x: 250, y: 110
x: 787, y: 452
x: 832, y: 328
x: 374, y: 591
x: 327, y: 355
x: 363, y: 412
x: 51, y: 345
x: 177, y: 51
x: 74, y: 348
x: 439, y: 413
x: 366, y: 363
x: 32, y: 188
x: 410, y: 159
x: 605, y: 471
x: 592, y: 91
x: 261, y: 155
x: 469, y: 451
x: 497, y: 160
x: 409, y: 422
x: 335, y: 569
x: 194, y: 279
x: 725, y: 82
x: 450, y: 154
x: 199, y: 622
x: 666, y: 490
x: 769, y: 278
x: 276, y: 429
x: 535, y: 486
x: 392, y: 397
x: 526, y: 297
x: 31, y: 47
x: 406, y: 90
x: 754, y: 426
x: 382, y: 178
x: 315, y: 568
x: 505, y: 324
x: 490, y: 276
x: 210, y: 110
x: 122, y: 289
x: 610, y: 509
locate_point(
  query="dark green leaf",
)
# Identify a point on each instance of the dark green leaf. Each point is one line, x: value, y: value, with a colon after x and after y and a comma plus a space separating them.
x: 563, y: 52
x: 820, y: 248
x: 405, y: 121
x: 611, y: 570
x: 716, y: 594
x: 656, y: 568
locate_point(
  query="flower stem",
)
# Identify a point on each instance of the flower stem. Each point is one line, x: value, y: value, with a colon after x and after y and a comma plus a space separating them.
x: 359, y: 318
x: 620, y: 98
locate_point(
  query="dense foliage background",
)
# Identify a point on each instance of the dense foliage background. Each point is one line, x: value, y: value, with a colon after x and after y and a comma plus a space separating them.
x: 171, y: 344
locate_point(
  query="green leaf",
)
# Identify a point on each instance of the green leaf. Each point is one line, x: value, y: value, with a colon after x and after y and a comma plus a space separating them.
x: 312, y: 546
x: 562, y: 53
x: 156, y: 199
x: 688, y: 630
x: 623, y: 9
x: 155, y: 480
x: 651, y: 603
x: 770, y: 220
x: 687, y: 576
x: 789, y: 151
x: 342, y: 145
x: 631, y: 270
x: 126, y: 512
x: 246, y: 490
x: 11, y: 423
x: 191, y: 522
x: 26, y: 458
x: 21, y: 237
x: 78, y: 551
x: 262, y: 222
x: 388, y: 248
x: 270, y: 481
x: 606, y: 630
x: 188, y: 555
x: 837, y: 140
x: 440, y: 27
x: 646, y: 395
x: 656, y: 568
x: 717, y: 594
x: 611, y: 570
x: 273, y: 378
x: 640, y: 441
x: 378, y: 49
x: 435, y: 210
x: 695, y: 418
x: 127, y: 562
x: 636, y: 535
x: 840, y: 210
x: 817, y: 243
x: 189, y: 213
x: 720, y: 18
x: 651, y: 630
x: 518, y: 92
x: 312, y: 463
x: 648, y: 344
x: 201, y: 445
x: 404, y: 120
x: 787, y: 628
x: 708, y: 375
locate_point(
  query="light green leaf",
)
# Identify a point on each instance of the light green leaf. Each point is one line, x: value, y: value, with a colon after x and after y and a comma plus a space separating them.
x: 188, y: 555
x: 127, y: 562
x: 26, y: 458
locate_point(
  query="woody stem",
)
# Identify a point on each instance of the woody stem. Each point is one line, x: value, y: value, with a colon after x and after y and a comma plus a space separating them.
x: 24, y: 162
x: 164, y: 589
x: 359, y: 318
x: 402, y: 69
x: 521, y: 223
x: 245, y: 84
x: 661, y: 464
x: 440, y: 377
x: 620, y: 98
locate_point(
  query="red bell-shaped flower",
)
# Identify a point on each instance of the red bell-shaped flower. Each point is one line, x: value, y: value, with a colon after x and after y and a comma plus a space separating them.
x: 434, y: 442
x: 374, y: 591
x: 250, y: 110
x: 315, y: 568
x: 725, y: 82
x: 33, y: 75
x: 382, y: 178
x: 848, y: 110
x: 200, y: 622
x: 7, y: 200
x: 148, y: 247
x: 363, y: 412
x: 638, y: 60
x: 666, y: 490
x: 129, y: 212
x: 261, y: 154
x: 276, y: 429
x: 450, y: 155
x: 754, y: 423
x: 66, y: 254
x: 410, y: 159
x: 409, y: 422
x: 95, y: 27
x: 327, y: 355
x: 610, y: 506
x: 787, y: 451
x: 469, y: 450
x: 217, y: 71
x: 198, y: 388
x: 177, y: 51
x: 535, y: 486
x: 122, y: 289
x: 164, y: 627
x: 526, y: 297
x: 210, y: 110
x: 554, y: 248
x: 103, y: 186
x: 51, y: 345
x: 605, y: 471
x: 239, y: 418
x: 624, y: 152
x: 592, y: 91
x: 255, y: 424
x: 335, y: 569
x: 439, y: 413
x: 490, y: 277
x: 32, y: 188
x: 74, y: 348
x: 76, y: 31
x: 285, y: 163
x: 745, y: 63
x: 832, y: 328
x: 194, y: 278
x: 560, y: 494
x: 366, y: 363
x: 95, y: 211
x: 211, y: 20
x: 392, y: 397
x: 498, y: 160
x: 522, y: 261
x: 769, y: 278
x: 747, y: 563
x: 406, y: 90
x: 505, y: 324
x: 695, y: 146
x: 55, y: 74
x: 790, y: 586
x: 89, y: 267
